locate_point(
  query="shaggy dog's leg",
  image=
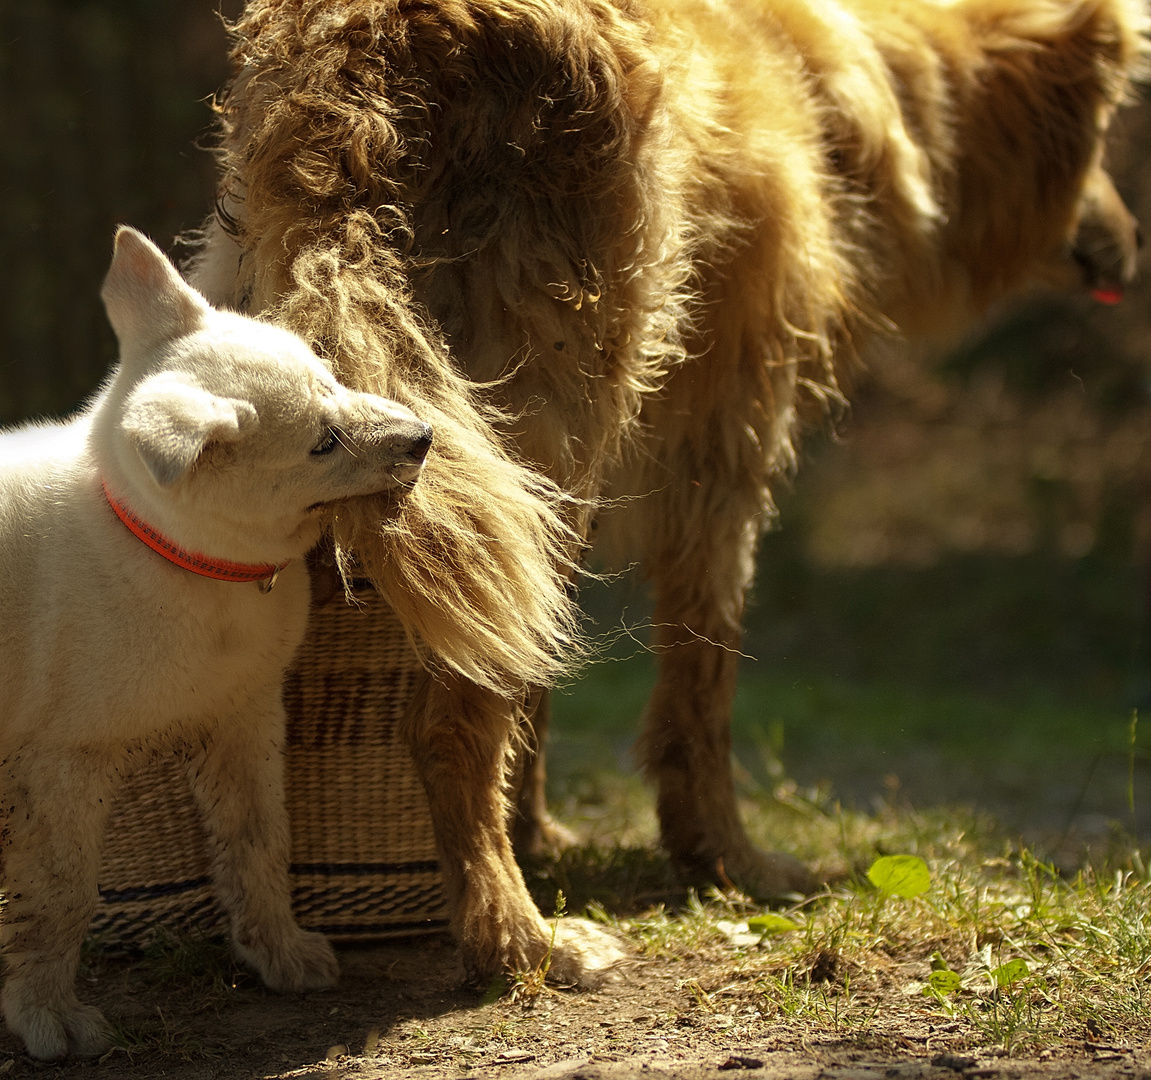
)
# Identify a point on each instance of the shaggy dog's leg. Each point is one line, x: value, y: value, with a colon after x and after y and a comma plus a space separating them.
x: 726, y: 416
x: 237, y: 780
x: 686, y: 749
x: 534, y: 830
x: 55, y: 806
x: 458, y: 735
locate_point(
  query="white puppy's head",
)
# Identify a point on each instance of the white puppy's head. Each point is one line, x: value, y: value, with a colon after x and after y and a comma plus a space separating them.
x: 227, y: 433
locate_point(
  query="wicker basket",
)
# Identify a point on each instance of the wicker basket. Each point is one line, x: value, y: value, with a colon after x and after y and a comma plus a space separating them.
x: 363, y: 853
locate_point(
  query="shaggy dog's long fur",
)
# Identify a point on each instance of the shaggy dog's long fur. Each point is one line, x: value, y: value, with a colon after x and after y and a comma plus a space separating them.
x: 609, y: 248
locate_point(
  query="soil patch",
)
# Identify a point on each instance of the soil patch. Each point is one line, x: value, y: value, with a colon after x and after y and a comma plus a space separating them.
x: 402, y: 1010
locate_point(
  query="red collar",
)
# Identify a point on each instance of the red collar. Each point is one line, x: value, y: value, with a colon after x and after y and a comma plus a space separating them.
x: 204, y: 565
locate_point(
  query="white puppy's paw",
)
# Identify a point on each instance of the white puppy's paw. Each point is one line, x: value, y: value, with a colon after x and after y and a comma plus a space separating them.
x: 88, y: 1031
x: 586, y: 954
x: 305, y: 961
x: 51, y: 1033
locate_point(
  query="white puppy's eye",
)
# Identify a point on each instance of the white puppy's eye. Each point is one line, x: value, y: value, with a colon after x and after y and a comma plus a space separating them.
x: 327, y: 444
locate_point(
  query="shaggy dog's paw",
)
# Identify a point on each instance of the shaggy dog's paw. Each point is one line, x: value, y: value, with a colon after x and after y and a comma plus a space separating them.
x: 769, y: 874
x: 763, y: 875
x: 305, y: 962
x: 586, y: 954
x: 53, y: 1033
x: 539, y: 837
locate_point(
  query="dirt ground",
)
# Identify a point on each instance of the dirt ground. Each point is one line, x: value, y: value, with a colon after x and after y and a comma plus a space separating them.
x: 401, y: 1010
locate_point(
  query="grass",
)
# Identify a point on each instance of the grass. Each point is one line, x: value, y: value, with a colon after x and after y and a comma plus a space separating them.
x: 162, y: 1036
x: 1040, y: 959
x: 206, y: 963
x: 1027, y: 795
x: 1002, y: 684
x: 185, y: 974
x: 1049, y: 770
x: 853, y: 964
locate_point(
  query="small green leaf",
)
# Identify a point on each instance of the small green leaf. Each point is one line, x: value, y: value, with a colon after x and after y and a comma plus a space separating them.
x: 770, y: 924
x: 938, y: 963
x: 1009, y: 973
x: 944, y: 982
x: 900, y: 875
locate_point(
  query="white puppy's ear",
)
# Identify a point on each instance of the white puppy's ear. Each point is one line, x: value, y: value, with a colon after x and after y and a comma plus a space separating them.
x: 169, y: 420
x: 146, y: 299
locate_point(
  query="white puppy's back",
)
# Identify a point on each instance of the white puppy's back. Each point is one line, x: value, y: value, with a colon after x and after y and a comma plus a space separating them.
x: 38, y: 474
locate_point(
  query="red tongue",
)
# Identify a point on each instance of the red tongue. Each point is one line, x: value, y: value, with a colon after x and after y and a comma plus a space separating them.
x: 1107, y: 295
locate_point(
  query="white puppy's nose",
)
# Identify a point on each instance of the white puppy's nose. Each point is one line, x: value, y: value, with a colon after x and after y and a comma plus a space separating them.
x: 421, y: 443
x: 392, y: 437
x: 410, y: 443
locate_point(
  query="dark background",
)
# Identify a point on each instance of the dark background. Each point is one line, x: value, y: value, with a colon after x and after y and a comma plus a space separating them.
x: 102, y: 109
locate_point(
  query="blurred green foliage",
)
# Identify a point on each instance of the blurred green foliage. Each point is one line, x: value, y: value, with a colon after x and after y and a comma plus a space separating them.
x: 1053, y: 338
x: 1036, y: 623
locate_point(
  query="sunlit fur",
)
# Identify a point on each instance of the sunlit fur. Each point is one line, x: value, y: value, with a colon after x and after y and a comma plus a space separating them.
x: 613, y: 249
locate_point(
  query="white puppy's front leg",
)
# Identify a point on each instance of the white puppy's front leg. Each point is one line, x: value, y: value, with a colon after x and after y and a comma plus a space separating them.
x: 237, y: 780
x: 56, y: 805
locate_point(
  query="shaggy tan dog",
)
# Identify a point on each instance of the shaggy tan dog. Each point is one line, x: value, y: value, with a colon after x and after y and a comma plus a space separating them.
x: 617, y: 249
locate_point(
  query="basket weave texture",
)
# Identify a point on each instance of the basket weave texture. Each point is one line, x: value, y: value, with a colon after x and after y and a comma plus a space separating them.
x: 363, y: 853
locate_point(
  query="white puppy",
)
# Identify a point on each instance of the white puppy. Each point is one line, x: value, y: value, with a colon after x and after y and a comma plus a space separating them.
x: 139, y: 544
